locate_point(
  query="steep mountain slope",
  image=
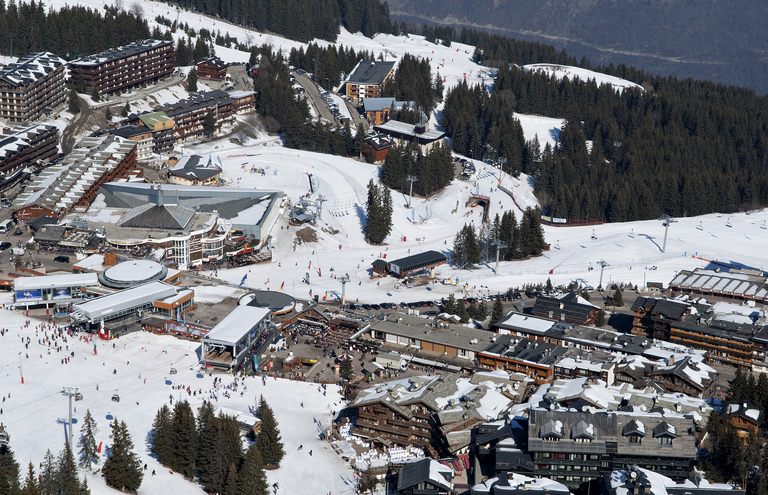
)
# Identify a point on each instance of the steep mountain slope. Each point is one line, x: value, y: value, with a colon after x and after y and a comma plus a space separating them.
x: 719, y: 40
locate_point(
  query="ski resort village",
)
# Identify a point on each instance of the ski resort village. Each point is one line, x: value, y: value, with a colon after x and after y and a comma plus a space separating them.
x: 297, y: 248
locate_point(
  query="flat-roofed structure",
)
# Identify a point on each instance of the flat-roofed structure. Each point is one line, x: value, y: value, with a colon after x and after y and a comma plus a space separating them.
x: 252, y: 211
x: 32, y: 86
x: 51, y: 290
x: 746, y: 285
x: 229, y: 343
x: 129, y: 302
x: 122, y: 68
x: 21, y: 147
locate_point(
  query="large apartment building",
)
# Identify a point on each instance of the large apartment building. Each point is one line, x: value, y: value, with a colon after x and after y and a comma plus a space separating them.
x: 367, y: 78
x: 574, y: 447
x: 122, y: 68
x: 24, y: 146
x: 31, y: 86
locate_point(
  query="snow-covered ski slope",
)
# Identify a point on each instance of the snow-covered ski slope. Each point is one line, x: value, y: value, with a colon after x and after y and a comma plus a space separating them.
x: 631, y: 249
x: 35, y: 414
x: 570, y: 72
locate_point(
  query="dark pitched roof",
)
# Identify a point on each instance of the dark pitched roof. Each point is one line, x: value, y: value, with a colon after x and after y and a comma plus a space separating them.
x: 664, y: 429
x: 195, y: 168
x: 370, y: 72
x: 153, y: 216
x: 415, y: 472
x: 30, y: 68
x: 672, y: 310
x: 634, y: 427
x: 566, y: 308
x: 129, y: 131
x: 420, y: 259
x: 121, y: 52
x: 214, y: 62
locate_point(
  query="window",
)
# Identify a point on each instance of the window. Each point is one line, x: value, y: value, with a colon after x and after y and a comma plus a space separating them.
x: 635, y: 439
x: 665, y: 441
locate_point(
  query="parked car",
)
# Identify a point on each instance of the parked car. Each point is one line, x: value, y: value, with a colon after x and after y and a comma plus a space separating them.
x: 5, y: 245
x: 61, y: 259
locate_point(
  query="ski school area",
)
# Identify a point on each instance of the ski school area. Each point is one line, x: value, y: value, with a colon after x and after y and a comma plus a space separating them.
x: 129, y: 378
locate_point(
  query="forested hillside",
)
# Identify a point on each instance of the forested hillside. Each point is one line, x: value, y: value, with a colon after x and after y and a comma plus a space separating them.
x: 30, y: 27
x: 680, y: 147
x: 301, y: 20
x: 722, y: 41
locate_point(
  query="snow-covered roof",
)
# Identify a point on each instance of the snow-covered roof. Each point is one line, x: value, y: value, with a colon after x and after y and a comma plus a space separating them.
x: 515, y: 482
x: 530, y: 323
x: 136, y: 297
x: 30, y: 68
x: 56, y: 281
x: 621, y: 483
x: 237, y: 324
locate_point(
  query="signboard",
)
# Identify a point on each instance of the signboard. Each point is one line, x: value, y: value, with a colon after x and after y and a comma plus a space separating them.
x: 29, y: 295
x: 65, y: 293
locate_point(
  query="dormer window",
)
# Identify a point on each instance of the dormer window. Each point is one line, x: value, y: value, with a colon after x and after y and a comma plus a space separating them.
x: 634, y: 431
x: 551, y: 431
x: 666, y: 433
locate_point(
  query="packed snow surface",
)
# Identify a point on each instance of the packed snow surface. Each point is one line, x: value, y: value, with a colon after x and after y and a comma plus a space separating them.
x: 34, y: 413
x: 570, y: 72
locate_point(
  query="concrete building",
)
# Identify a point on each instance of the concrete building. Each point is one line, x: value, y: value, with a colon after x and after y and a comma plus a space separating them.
x: 573, y: 447
x: 139, y: 134
x: 367, y: 77
x: 21, y: 147
x: 252, y: 212
x: 231, y: 341
x: 51, y: 290
x: 32, y: 86
x: 119, y: 69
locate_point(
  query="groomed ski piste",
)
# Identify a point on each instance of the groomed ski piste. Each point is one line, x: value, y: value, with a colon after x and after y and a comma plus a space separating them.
x: 632, y: 250
x: 35, y: 412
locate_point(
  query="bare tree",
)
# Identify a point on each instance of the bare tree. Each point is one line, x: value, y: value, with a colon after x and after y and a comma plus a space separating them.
x: 137, y: 10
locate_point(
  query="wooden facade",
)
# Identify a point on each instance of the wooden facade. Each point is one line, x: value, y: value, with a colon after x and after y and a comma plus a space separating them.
x: 123, y: 68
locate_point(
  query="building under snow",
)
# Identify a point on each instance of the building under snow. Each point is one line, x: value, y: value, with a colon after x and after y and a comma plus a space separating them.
x: 517, y: 484
x: 32, y: 86
x: 634, y: 480
x: 424, y: 477
x: 435, y: 413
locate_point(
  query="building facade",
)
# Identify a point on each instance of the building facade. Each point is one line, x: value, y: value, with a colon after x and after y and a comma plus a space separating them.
x: 119, y: 69
x: 367, y: 77
x: 21, y: 147
x: 32, y: 86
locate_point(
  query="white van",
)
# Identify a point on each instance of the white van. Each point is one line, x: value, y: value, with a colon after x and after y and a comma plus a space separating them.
x: 6, y: 226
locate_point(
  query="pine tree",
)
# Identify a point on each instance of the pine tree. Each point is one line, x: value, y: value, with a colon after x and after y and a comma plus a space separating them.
x: 618, y: 300
x: 345, y: 369
x: 367, y: 482
x: 230, y: 484
x: 84, y: 488
x: 498, y: 310
x: 161, y: 436
x: 108, y: 115
x: 47, y: 481
x: 95, y: 94
x: 482, y: 311
x: 268, y: 440
x: 600, y: 319
x: 122, y: 469
x: 251, y: 479
x: 66, y: 473
x: 192, y: 80
x: 379, y: 213
x: 209, y: 125
x: 88, y: 454
x: 73, y: 101
x: 9, y: 472
x: 183, y: 439
x: 461, y: 312
x: 450, y: 305
x: 126, y: 109
x: 30, y: 486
